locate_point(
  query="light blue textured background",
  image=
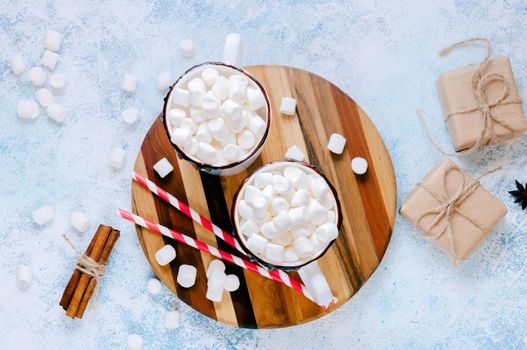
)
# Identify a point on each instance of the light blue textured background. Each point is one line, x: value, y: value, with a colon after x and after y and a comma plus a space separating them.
x: 382, y: 53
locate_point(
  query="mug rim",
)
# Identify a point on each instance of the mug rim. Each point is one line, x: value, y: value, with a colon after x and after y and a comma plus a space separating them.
x: 242, y: 241
x: 209, y: 167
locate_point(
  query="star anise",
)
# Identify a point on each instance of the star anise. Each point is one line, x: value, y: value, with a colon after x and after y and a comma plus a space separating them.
x: 520, y: 194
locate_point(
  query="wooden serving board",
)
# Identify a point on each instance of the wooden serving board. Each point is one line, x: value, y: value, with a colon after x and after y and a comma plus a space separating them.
x: 368, y: 203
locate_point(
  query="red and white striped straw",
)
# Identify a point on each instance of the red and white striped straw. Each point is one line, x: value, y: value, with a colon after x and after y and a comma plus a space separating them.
x: 185, y: 209
x: 275, y: 275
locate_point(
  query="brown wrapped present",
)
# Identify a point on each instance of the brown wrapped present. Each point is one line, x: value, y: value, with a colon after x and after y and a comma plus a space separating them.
x: 480, y: 102
x: 453, y: 209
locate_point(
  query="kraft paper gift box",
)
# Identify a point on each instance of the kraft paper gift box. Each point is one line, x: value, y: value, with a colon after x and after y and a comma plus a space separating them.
x: 474, y: 213
x: 455, y: 90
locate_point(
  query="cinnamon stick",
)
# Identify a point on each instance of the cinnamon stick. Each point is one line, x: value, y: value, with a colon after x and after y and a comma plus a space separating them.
x: 98, y: 246
x: 76, y: 275
x: 112, y: 238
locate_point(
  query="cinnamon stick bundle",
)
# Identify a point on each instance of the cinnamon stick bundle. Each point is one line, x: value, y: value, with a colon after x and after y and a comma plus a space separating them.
x: 81, y: 285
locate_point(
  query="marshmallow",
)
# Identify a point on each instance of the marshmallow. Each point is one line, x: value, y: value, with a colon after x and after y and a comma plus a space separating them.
x: 303, y: 247
x: 52, y: 40
x: 214, y: 294
x: 317, y: 213
x: 246, y: 212
x: 238, y: 91
x: 153, y: 286
x: 117, y: 158
x: 56, y: 112
x: 196, y: 90
x: 57, y: 81
x: 163, y: 167
x: 288, y: 105
x: 251, y: 192
x: 176, y: 115
x: 269, y: 230
x: 44, y: 97
x: 255, y: 98
x: 300, y: 232
x: 336, y: 143
x: 257, y: 126
x: 317, y: 244
x: 180, y: 97
x: 217, y: 279
x: 218, y: 129
x: 283, y: 221
x: 172, y: 319
x: 43, y: 215
x: 186, y: 48
x: 220, y: 89
x: 262, y: 179
x: 257, y: 243
x: 283, y: 239
x: 24, y: 274
x: 231, y: 109
x: 279, y: 205
x: 232, y: 152
x: 209, y: 76
x: 129, y: 83
x: 164, y: 80
x: 37, y: 76
x: 232, y: 283
x: 327, y: 232
x: 130, y: 115
x: 192, y: 149
x: 259, y: 203
x: 319, y: 187
x: 327, y: 201
x: 210, y: 107
x: 299, y: 216
x: 295, y: 153
x: 290, y: 255
x: 165, y: 255
x: 301, y: 198
x: 186, y: 276
x: 18, y: 66
x: 206, y: 152
x: 181, y: 137
x: 189, y: 124
x: 203, y: 134
x: 332, y: 217
x: 249, y: 228
x: 80, y: 221
x: 359, y: 165
x: 215, y: 265
x: 135, y: 342
x: 316, y: 283
x: 27, y: 109
x: 238, y: 122
x: 274, y: 253
x: 49, y: 59
x: 233, y: 50
x: 230, y: 140
x: 268, y: 193
x: 281, y: 184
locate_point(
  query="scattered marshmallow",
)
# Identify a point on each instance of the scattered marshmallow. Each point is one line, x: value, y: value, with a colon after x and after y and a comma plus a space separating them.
x: 336, y: 143
x: 117, y: 158
x: 165, y: 255
x: 215, y: 265
x: 80, y: 221
x: 153, y: 286
x: 129, y: 83
x: 24, y: 274
x: 56, y: 112
x: 233, y: 50
x: 57, y: 81
x: 52, y: 40
x: 232, y: 283
x: 216, y: 285
x: 214, y: 294
x: 288, y: 106
x: 172, y: 319
x: 37, y: 76
x: 294, y: 152
x: 164, y: 80
x: 186, y: 48
x: 18, y: 66
x: 44, y: 97
x: 130, y: 115
x: 49, y: 59
x: 135, y: 342
x: 186, y: 276
x: 43, y: 215
x: 359, y: 165
x: 163, y: 167
x: 27, y: 109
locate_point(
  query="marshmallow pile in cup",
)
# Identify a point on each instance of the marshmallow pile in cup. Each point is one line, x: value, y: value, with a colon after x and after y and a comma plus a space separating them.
x: 286, y: 214
x: 216, y: 115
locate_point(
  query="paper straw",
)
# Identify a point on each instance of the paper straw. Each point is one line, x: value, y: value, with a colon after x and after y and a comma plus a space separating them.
x: 275, y: 275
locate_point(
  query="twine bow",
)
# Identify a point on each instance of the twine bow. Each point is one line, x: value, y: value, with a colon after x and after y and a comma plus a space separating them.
x: 449, y: 205
x: 485, y: 105
x: 88, y: 266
